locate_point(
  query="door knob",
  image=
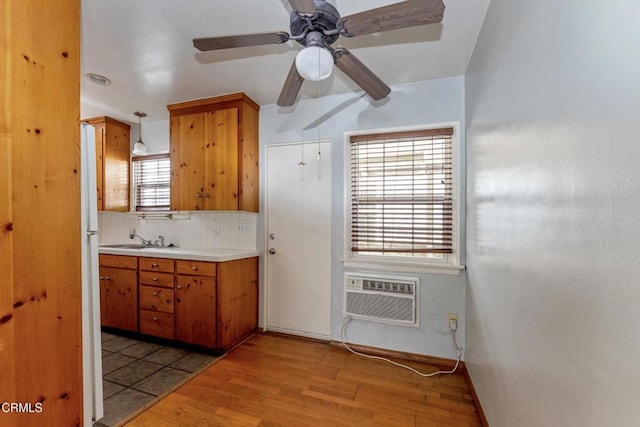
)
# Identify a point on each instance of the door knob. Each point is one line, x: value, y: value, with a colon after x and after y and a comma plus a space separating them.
x: 272, y: 251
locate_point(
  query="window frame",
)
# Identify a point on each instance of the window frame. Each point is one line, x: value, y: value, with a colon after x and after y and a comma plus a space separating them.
x: 450, y: 264
x: 156, y: 156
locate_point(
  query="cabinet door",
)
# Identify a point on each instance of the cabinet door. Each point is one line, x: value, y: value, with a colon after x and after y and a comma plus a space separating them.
x: 221, y: 178
x: 99, y: 132
x: 237, y: 301
x: 116, y: 155
x: 119, y: 298
x: 195, y: 310
x: 188, y: 138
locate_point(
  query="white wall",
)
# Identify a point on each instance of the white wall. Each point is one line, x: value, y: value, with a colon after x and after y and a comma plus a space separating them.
x: 328, y: 117
x: 553, y: 231
x: 155, y: 136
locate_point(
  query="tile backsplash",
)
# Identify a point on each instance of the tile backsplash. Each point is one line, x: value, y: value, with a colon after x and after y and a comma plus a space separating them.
x: 232, y: 230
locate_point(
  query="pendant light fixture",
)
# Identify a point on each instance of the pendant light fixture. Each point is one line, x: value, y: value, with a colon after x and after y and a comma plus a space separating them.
x: 139, y: 149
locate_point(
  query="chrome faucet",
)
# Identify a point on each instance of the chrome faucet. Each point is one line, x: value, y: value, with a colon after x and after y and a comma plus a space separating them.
x: 132, y: 234
x: 161, y: 243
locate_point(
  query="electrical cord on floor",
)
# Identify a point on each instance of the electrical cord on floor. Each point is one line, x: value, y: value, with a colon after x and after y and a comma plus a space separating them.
x: 459, y: 351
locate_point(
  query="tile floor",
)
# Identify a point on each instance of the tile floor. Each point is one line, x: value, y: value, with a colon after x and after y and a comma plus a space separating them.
x: 137, y: 372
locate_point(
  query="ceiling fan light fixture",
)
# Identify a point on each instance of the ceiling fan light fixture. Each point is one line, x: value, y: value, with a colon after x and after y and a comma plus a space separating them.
x: 314, y: 63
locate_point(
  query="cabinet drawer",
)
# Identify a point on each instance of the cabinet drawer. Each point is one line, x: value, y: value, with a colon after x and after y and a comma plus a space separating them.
x: 119, y: 261
x: 156, y: 264
x: 156, y: 279
x: 196, y: 268
x: 157, y: 324
x: 156, y: 299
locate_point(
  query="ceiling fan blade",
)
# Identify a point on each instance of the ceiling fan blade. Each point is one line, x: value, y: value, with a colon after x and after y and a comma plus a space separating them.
x: 405, y: 14
x: 359, y: 73
x: 291, y: 87
x: 226, y: 42
x: 303, y: 6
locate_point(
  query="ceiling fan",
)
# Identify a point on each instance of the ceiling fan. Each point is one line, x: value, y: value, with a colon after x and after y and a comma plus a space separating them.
x: 317, y: 25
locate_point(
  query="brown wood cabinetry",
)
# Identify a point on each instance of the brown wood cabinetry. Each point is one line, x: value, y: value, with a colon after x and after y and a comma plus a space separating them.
x: 208, y: 304
x: 237, y: 301
x: 112, y: 163
x: 157, y: 324
x: 214, y: 154
x: 196, y: 309
x: 157, y: 297
x: 119, y: 292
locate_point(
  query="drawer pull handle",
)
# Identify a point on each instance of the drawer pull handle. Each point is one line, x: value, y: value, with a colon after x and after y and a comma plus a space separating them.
x: 155, y: 319
x: 156, y: 293
x: 155, y: 279
x: 194, y: 268
x: 154, y: 265
x: 179, y: 286
x: 106, y: 278
x: 101, y: 277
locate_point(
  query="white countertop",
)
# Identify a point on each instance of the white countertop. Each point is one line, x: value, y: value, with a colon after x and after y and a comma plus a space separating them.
x: 204, y: 254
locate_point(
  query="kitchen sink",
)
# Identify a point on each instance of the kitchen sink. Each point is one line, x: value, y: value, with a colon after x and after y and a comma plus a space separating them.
x: 134, y: 246
x: 125, y: 246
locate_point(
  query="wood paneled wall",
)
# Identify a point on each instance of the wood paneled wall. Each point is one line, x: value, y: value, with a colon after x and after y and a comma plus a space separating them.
x: 40, y: 272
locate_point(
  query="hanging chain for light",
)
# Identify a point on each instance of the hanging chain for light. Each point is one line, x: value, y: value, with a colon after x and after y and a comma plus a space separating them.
x: 301, y: 162
x: 319, y: 156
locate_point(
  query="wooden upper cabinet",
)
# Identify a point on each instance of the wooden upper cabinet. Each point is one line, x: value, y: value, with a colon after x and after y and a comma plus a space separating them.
x: 112, y: 163
x: 214, y: 154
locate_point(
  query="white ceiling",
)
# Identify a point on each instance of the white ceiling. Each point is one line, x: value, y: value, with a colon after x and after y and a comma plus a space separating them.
x: 145, y: 48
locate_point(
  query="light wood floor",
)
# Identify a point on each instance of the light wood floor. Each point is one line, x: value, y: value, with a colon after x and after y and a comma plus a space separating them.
x: 281, y: 381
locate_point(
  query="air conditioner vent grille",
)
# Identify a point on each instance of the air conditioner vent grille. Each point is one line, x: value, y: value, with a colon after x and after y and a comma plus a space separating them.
x: 388, y: 286
x: 388, y: 299
x: 380, y: 306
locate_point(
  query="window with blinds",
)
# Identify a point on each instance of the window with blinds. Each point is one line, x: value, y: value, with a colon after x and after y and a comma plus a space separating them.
x: 151, y: 182
x: 402, y: 194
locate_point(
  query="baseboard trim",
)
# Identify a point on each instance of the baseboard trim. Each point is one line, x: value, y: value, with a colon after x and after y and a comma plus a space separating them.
x: 440, y: 362
x: 476, y: 401
x: 294, y: 333
x: 273, y: 333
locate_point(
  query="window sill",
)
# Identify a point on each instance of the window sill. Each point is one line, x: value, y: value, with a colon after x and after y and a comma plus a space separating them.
x: 404, y: 266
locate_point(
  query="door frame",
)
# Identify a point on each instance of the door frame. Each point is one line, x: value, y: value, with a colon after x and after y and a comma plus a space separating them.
x: 265, y: 304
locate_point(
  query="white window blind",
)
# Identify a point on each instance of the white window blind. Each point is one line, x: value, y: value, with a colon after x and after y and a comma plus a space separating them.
x: 151, y: 180
x: 402, y: 193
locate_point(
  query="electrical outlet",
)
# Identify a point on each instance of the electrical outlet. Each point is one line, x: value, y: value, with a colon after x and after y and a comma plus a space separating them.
x: 450, y: 317
x: 215, y: 231
x: 243, y: 227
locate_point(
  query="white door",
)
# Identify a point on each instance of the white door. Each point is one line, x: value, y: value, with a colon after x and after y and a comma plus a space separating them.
x: 298, y: 243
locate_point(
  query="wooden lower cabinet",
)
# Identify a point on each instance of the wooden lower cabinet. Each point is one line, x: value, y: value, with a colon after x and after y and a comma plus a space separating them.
x: 156, y: 289
x: 119, y: 292
x: 157, y: 324
x: 196, y: 310
x: 237, y: 301
x: 208, y: 304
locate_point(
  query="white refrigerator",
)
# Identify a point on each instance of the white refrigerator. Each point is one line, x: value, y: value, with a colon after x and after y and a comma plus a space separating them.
x: 91, y: 339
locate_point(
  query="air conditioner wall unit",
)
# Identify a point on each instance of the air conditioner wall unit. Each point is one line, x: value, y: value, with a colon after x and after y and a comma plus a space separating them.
x: 381, y: 298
